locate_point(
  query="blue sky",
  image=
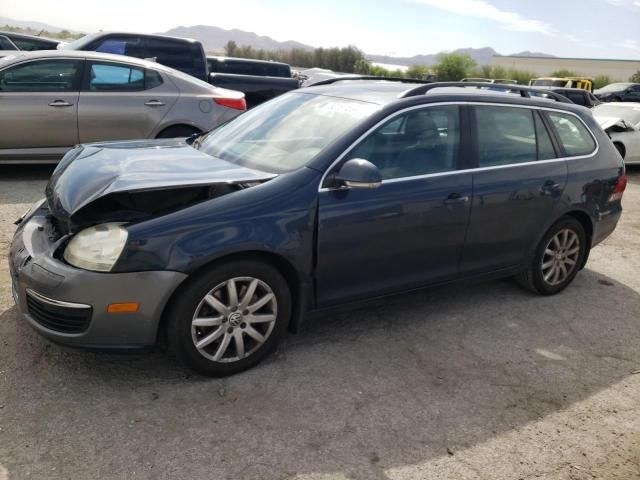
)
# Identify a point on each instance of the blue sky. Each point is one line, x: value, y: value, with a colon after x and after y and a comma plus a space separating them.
x: 586, y: 28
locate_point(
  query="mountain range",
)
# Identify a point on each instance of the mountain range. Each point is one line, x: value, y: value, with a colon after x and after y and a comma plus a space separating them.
x: 214, y: 39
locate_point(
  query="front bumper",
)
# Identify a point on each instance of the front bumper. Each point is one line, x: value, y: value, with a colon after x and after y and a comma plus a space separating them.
x: 49, y: 293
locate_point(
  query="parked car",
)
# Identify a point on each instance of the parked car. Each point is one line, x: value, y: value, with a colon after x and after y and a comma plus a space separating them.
x: 619, y: 92
x: 181, y: 54
x: 578, y: 96
x: 621, y: 121
x: 53, y: 100
x: 323, y: 196
x: 259, y: 80
x: 583, y: 83
x: 29, y: 43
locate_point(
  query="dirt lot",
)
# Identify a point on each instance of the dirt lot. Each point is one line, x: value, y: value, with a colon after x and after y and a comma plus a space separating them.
x: 472, y: 382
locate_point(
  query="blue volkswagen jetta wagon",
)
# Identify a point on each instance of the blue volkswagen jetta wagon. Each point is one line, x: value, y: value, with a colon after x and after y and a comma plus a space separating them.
x: 217, y: 245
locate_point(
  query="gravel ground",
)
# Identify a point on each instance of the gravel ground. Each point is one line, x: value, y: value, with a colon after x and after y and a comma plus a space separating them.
x: 480, y: 381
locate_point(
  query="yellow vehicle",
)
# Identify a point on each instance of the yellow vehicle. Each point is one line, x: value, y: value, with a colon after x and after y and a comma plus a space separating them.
x: 583, y: 83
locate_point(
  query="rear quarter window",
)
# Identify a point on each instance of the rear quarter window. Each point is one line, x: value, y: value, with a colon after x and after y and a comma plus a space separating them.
x: 573, y: 135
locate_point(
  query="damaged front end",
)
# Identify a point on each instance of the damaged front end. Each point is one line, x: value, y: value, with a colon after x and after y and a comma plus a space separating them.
x: 134, y: 181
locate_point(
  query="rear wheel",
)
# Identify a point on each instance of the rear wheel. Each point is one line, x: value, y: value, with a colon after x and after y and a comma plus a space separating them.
x: 177, y: 131
x: 558, y: 258
x: 229, y: 318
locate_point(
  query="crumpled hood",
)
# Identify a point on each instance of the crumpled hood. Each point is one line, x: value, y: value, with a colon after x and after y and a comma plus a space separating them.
x: 92, y: 171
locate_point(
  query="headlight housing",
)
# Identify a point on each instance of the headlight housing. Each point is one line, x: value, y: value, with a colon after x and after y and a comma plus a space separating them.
x: 96, y: 248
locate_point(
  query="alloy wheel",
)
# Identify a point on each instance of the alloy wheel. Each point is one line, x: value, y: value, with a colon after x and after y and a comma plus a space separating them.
x: 560, y: 257
x: 234, y: 319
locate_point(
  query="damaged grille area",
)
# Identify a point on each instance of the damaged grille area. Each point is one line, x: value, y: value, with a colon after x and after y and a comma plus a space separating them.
x: 142, y: 205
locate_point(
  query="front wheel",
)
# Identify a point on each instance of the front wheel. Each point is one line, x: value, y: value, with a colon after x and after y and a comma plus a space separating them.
x: 558, y: 258
x: 229, y: 318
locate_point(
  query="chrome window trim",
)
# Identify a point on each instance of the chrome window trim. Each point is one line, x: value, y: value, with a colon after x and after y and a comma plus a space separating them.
x: 467, y: 170
x: 56, y: 303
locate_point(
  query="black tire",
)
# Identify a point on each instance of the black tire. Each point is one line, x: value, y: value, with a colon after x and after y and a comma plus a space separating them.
x: 182, y: 335
x: 533, y: 278
x: 178, y: 131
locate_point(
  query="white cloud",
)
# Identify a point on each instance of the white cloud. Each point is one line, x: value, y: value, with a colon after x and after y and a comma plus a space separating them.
x: 482, y: 9
x: 631, y: 45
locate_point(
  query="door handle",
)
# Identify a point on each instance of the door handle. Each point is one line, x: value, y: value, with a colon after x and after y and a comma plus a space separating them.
x: 60, y: 103
x: 549, y: 188
x: 456, y: 199
x: 154, y: 103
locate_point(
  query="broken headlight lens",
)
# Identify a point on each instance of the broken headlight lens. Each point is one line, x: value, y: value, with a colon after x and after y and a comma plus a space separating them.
x: 96, y: 248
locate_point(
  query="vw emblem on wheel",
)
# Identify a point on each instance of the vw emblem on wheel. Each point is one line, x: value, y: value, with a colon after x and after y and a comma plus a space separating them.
x: 235, y: 319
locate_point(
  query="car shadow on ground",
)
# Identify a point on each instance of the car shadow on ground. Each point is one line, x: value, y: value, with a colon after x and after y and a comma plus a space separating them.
x: 355, y: 393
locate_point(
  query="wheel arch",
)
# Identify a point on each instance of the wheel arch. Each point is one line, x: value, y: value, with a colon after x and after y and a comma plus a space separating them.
x: 622, y: 149
x: 587, y: 223
x: 164, y: 128
x: 281, y: 264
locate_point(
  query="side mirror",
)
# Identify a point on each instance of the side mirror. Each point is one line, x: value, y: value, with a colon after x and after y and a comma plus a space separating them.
x: 358, y: 173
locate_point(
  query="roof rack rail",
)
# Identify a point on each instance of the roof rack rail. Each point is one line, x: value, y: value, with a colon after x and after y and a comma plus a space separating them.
x: 524, y: 91
x: 329, y: 81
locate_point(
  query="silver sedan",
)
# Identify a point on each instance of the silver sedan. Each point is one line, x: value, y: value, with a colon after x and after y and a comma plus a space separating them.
x: 53, y: 100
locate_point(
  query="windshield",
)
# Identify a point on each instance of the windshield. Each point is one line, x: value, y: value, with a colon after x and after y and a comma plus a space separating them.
x: 614, y: 87
x: 285, y: 133
x: 630, y: 114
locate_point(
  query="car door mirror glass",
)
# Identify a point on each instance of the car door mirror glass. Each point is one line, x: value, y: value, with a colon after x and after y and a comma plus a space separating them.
x: 358, y: 173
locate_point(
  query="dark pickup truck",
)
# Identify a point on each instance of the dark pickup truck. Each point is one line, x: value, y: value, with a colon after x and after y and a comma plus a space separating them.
x: 259, y: 80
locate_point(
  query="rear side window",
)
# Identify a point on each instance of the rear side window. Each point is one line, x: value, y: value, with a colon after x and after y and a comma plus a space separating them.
x: 506, y: 135
x: 129, y: 46
x: 574, y: 136
x: 106, y: 77
x: 418, y: 142
x: 184, y: 56
x: 152, y: 79
x: 42, y: 76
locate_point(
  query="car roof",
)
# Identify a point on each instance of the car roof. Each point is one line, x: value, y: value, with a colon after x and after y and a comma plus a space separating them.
x: 40, y: 54
x: 28, y: 37
x: 101, y: 34
x: 385, y: 92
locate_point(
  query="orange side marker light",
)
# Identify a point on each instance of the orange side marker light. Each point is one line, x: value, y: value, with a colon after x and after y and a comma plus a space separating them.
x: 123, y: 307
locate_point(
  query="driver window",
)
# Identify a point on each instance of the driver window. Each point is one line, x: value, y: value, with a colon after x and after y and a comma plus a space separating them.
x: 418, y: 142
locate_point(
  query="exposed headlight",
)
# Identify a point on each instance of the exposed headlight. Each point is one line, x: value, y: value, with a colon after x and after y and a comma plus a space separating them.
x: 96, y: 248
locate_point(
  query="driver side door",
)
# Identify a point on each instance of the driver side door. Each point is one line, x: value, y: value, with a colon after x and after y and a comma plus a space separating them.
x: 409, y: 231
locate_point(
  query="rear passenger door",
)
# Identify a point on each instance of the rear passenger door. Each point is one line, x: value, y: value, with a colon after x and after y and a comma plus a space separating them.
x: 120, y: 101
x: 517, y: 187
